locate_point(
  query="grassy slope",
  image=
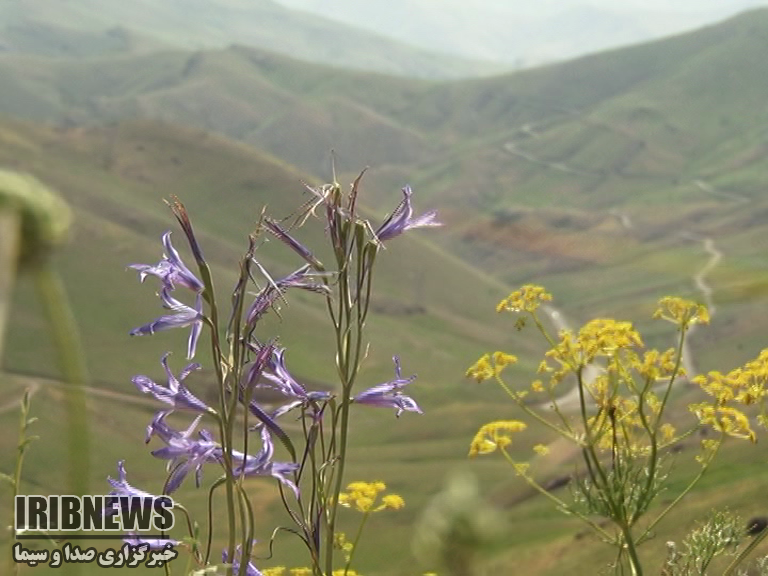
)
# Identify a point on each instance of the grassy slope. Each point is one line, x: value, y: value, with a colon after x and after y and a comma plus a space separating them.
x: 115, y: 178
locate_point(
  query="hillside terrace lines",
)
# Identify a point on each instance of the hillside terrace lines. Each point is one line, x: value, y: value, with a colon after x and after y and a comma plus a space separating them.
x: 571, y: 398
x: 710, y: 189
x: 35, y: 383
x: 532, y: 129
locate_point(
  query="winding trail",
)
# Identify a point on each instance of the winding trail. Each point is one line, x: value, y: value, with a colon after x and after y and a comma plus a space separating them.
x: 570, y: 399
x: 709, y: 189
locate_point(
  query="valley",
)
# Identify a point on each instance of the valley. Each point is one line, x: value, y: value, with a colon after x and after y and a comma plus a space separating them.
x: 612, y: 180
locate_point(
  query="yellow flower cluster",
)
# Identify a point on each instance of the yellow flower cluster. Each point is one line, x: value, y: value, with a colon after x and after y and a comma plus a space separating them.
x: 742, y: 386
x: 489, y: 366
x: 726, y: 419
x: 340, y: 542
x: 494, y: 435
x: 598, y: 337
x: 655, y: 364
x: 619, y: 421
x: 681, y: 311
x: 527, y: 299
x: 363, y: 495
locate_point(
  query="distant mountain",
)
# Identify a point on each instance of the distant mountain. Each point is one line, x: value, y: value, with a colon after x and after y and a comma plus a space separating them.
x: 54, y: 40
x: 654, y: 101
x: 525, y: 34
x: 51, y: 27
x: 533, y: 171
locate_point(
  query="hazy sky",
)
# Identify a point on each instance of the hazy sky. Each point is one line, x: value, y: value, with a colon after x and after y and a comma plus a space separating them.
x: 526, y: 32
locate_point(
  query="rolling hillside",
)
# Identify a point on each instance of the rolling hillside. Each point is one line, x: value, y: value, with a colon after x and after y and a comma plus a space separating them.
x: 201, y: 24
x: 613, y: 179
x: 534, y: 171
x: 115, y: 178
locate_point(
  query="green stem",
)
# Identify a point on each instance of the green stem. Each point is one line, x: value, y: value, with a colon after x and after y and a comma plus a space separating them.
x: 631, y: 548
x: 559, y: 503
x: 334, y: 504
x: 21, y: 449
x: 366, y: 515
x: 744, y: 553
x: 66, y: 338
x: 10, y: 237
x: 687, y: 489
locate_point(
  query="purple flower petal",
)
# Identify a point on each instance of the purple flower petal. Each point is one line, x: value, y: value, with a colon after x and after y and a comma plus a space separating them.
x: 402, y: 219
x: 389, y: 395
x: 250, y: 569
x: 301, y: 278
x: 176, y: 394
x: 262, y: 465
x: 171, y: 270
x: 182, y: 317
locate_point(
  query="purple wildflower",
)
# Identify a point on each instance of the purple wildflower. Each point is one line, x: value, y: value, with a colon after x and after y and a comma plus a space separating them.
x: 276, y: 377
x: 123, y: 495
x: 152, y: 543
x: 250, y: 569
x: 176, y: 394
x: 262, y: 465
x: 255, y: 368
x: 389, y: 394
x: 186, y: 454
x: 182, y: 316
x: 120, y: 487
x: 301, y: 278
x: 402, y: 219
x: 171, y: 270
x: 283, y: 235
x: 183, y: 452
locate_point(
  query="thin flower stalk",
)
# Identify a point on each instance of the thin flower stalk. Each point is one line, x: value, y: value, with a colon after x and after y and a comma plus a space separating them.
x: 309, y: 485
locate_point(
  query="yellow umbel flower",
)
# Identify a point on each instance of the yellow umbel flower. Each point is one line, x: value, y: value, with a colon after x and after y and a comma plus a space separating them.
x: 681, y: 311
x: 527, y: 299
x: 490, y: 366
x: 363, y: 495
x: 727, y: 419
x: 501, y: 360
x: 340, y: 542
x: 745, y: 385
x: 482, y: 369
x: 603, y: 336
x: 599, y: 337
x: 304, y: 571
x: 494, y: 435
x: 275, y: 571
x: 655, y: 364
x: 393, y: 501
